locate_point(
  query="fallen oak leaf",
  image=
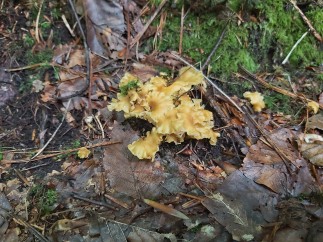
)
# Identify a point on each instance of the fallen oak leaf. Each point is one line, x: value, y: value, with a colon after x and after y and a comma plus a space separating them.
x: 166, y: 209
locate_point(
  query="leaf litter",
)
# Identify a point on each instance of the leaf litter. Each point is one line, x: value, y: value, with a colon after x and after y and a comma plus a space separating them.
x: 257, y: 190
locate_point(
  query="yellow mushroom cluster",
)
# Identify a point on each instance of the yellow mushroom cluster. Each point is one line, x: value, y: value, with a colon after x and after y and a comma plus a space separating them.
x: 256, y: 99
x: 169, y: 108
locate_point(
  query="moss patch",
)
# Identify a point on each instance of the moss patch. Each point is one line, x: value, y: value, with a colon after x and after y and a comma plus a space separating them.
x: 263, y: 38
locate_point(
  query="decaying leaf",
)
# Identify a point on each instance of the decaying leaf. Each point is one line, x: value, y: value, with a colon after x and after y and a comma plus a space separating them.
x: 4, y: 210
x: 242, y: 206
x: 83, y: 153
x: 256, y: 99
x: 312, y: 149
x: 315, y: 122
x: 166, y: 209
x: 7, y: 91
x: 127, y: 176
x: 265, y: 166
x: 66, y: 225
x: 116, y: 231
x: 105, y: 26
x: 233, y: 216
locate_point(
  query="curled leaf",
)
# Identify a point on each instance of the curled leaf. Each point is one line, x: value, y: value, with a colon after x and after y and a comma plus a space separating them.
x: 312, y: 149
x: 166, y: 209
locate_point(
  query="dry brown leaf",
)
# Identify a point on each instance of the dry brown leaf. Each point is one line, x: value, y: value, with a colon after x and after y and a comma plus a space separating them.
x: 48, y: 92
x: 263, y: 165
x: 69, y: 87
x: 166, y: 209
x: 321, y: 99
x: 233, y: 216
x: 313, y: 152
x: 315, y: 122
x: 143, y: 72
x: 60, y: 53
x: 105, y: 25
x: 76, y: 58
x: 125, y: 173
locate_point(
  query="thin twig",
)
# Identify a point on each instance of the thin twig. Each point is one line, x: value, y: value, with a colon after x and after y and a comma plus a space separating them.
x: 212, y: 84
x: 181, y: 32
x: 57, y: 153
x: 293, y: 48
x: 315, y: 33
x: 74, y: 195
x: 22, y: 177
x: 141, y: 33
x: 26, y: 67
x: 216, y: 46
x: 67, y: 25
x: 37, y: 22
x: 126, y: 55
x: 34, y: 167
x: 117, y: 201
x: 272, y: 143
x: 51, y: 138
x: 30, y: 228
x: 277, y: 89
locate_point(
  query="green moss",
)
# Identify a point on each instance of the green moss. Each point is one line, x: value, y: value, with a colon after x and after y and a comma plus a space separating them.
x: 43, y: 198
x: 200, y: 36
x: 28, y: 41
x: 130, y: 85
x: 283, y: 26
x: 44, y: 56
x: 277, y: 102
x: 315, y: 197
x: 255, y: 45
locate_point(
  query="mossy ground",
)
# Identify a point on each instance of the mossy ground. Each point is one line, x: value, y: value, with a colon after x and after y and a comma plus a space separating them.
x: 43, y: 198
x: 259, y: 36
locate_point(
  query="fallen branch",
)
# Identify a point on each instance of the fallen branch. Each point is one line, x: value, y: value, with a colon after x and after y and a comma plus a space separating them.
x: 57, y: 153
x: 29, y: 227
x: 51, y: 138
x: 141, y: 33
x: 277, y: 89
x: 37, y: 34
x: 293, y: 48
x: 315, y: 33
x: 216, y: 46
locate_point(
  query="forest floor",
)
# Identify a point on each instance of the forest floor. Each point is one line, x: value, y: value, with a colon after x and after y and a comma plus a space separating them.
x: 161, y: 121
